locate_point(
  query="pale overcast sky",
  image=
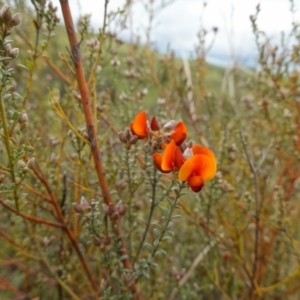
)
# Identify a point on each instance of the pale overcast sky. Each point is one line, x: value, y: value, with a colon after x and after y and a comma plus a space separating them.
x: 178, y: 24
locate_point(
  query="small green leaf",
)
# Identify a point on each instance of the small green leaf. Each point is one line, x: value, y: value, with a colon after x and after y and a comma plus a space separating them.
x: 7, y: 97
x: 23, y: 67
x: 170, y: 224
x: 15, y: 116
x: 156, y: 243
x: 160, y: 251
x: 149, y: 247
x: 29, y: 65
x: 156, y: 232
x: 176, y: 216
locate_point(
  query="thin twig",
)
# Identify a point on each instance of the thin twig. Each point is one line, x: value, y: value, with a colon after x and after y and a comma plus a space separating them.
x: 30, y: 217
x: 193, y: 266
x: 58, y: 72
x: 154, y: 185
x: 254, y: 171
x: 66, y: 228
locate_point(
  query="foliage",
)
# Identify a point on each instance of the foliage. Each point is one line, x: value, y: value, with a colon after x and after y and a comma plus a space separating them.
x: 85, y: 215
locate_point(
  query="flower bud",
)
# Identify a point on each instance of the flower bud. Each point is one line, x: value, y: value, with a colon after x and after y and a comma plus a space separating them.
x: 78, y: 208
x: 128, y: 133
x: 122, y: 137
x: 47, y: 241
x: 226, y: 256
x: 7, y: 48
x: 121, y: 208
x: 85, y: 204
x: 82, y: 206
x: 107, y: 240
x: 97, y: 241
x: 133, y: 140
x: 154, y: 124
x: 21, y: 164
x: 16, y: 20
x: 31, y: 163
x: 115, y: 216
x: 6, y: 14
x: 14, y: 53
x: 170, y: 125
x: 23, y: 118
x: 121, y: 184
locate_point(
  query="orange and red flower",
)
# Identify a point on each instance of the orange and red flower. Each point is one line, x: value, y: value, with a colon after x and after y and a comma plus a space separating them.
x: 141, y: 128
x: 198, y: 168
x: 196, y: 165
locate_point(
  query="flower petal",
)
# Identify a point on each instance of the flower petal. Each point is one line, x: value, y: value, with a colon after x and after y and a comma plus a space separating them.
x: 199, y: 164
x: 154, y: 125
x: 157, y: 157
x: 179, y: 134
x: 203, y: 150
x: 168, y: 157
x: 179, y: 158
x: 139, y: 125
x: 196, y: 183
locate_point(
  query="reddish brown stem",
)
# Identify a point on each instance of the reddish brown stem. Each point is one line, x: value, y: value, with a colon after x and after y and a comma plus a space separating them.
x: 31, y: 218
x: 91, y: 128
x: 58, y: 72
x: 66, y: 228
x: 8, y: 238
x: 9, y: 287
x: 85, y: 99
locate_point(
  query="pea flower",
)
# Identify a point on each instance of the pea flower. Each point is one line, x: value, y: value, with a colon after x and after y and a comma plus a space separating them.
x: 140, y: 127
x: 198, y: 168
x: 195, y: 164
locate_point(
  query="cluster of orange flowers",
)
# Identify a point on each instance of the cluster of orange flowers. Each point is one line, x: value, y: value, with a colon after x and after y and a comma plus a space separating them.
x: 194, y: 164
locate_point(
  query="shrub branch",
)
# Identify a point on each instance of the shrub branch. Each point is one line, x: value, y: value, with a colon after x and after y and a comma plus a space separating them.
x: 91, y: 128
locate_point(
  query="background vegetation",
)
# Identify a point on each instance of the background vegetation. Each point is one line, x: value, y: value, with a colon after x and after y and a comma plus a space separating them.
x: 236, y: 239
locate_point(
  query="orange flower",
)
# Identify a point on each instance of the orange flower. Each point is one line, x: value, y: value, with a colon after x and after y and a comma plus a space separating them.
x: 179, y: 134
x: 170, y: 160
x: 139, y: 126
x: 198, y: 168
